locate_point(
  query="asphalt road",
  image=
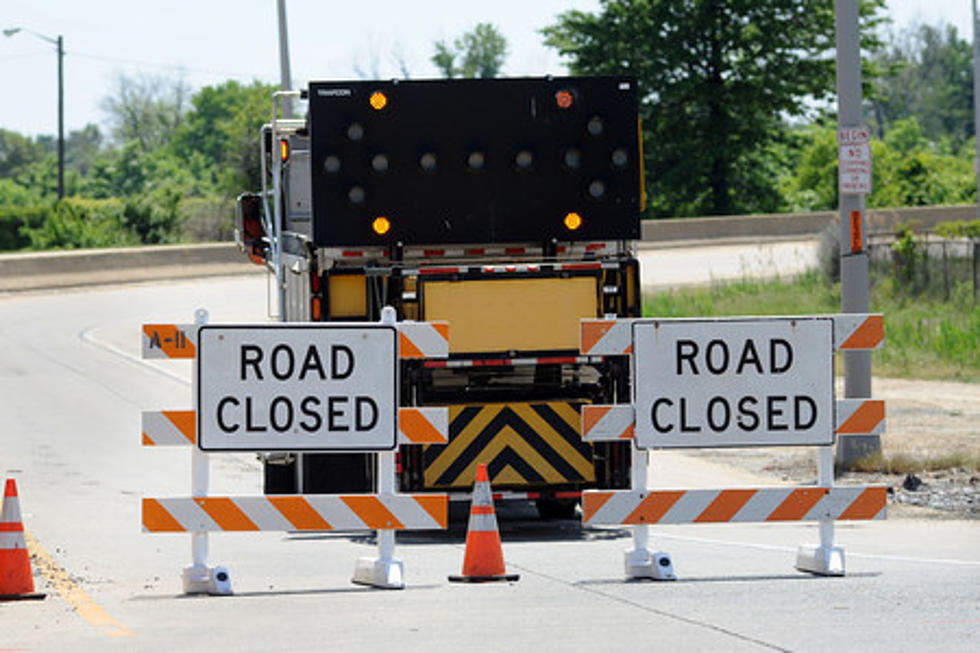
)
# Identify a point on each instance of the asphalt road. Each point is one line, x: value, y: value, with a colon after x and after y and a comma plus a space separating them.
x: 72, y: 387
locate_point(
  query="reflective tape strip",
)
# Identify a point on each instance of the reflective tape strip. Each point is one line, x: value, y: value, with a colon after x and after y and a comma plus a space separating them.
x: 295, y: 513
x: 859, y: 331
x: 163, y: 428
x: 606, y: 337
x: 427, y: 425
x: 735, y: 505
x: 480, y: 523
x: 169, y: 341
x: 13, y: 540
x: 860, y: 416
x: 423, y: 339
x: 607, y: 422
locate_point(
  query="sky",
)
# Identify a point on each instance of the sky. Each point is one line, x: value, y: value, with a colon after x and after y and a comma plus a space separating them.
x: 209, y: 41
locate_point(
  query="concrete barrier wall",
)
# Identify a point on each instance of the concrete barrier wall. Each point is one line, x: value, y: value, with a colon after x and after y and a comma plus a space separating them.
x: 789, y: 225
x: 41, y: 270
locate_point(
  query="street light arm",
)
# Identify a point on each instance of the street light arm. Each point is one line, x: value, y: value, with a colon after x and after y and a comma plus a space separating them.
x: 10, y: 31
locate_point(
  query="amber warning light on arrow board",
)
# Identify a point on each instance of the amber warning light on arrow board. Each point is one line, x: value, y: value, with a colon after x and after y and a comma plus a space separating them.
x: 563, y: 99
x: 381, y: 225
x: 573, y: 221
x: 378, y: 100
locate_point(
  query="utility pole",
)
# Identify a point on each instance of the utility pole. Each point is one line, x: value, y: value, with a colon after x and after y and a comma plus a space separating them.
x: 285, y: 78
x: 59, y: 43
x: 855, y: 295
x: 61, y: 117
x: 976, y: 99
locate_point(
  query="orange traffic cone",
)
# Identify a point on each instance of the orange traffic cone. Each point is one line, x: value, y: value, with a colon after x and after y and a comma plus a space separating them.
x: 16, y: 580
x: 484, y: 559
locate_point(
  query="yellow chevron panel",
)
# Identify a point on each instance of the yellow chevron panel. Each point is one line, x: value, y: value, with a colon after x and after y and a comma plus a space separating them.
x: 523, y: 444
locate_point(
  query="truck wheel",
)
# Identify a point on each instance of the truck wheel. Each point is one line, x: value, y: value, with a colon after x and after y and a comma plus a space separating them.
x: 556, y: 508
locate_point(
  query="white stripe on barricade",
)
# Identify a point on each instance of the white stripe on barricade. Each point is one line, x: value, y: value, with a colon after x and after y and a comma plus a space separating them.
x: 295, y: 513
x: 178, y: 428
x: 616, y: 421
x: 733, y: 505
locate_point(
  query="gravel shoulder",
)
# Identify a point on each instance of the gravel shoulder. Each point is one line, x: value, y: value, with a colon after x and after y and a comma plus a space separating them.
x: 925, y: 419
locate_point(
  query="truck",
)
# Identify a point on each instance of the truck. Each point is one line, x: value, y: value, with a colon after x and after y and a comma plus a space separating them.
x: 507, y: 207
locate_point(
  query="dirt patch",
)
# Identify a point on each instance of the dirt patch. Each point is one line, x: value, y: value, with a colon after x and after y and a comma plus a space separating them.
x: 925, y: 420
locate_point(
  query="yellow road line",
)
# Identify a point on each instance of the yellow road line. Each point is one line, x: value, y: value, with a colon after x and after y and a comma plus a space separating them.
x: 69, y: 590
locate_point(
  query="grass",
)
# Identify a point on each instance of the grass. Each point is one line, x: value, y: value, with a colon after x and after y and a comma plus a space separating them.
x: 926, y: 336
x: 906, y: 464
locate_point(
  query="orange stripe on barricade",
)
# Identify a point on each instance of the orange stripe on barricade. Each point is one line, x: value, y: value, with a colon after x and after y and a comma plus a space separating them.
x: 442, y: 328
x: 300, y: 513
x: 799, y: 502
x: 868, y: 335
x: 158, y: 520
x: 226, y: 514
x: 654, y: 507
x: 372, y: 512
x: 592, y: 333
x: 416, y: 427
x: 868, y: 504
x: 865, y: 419
x: 147, y: 442
x: 591, y: 416
x: 592, y: 502
x: 170, y: 340
x: 407, y: 348
x: 724, y: 507
x: 436, y: 505
x: 185, y: 421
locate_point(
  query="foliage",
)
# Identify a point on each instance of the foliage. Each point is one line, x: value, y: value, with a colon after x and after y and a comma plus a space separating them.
x: 14, y: 222
x: 930, y: 76
x: 907, y: 170
x: 80, y: 223
x: 479, y: 53
x: 717, y: 80
x: 929, y: 337
x: 146, y: 109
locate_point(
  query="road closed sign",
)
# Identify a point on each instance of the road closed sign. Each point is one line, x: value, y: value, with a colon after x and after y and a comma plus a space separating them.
x: 297, y: 388
x: 731, y: 383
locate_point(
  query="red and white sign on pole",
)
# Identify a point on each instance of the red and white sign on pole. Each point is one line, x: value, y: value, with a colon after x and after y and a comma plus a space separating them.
x: 854, y: 161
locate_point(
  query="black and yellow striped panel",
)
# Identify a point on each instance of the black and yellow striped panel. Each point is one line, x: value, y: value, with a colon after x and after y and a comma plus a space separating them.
x: 524, y: 445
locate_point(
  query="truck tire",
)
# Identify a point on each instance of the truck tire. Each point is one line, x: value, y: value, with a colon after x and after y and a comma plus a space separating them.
x: 556, y: 508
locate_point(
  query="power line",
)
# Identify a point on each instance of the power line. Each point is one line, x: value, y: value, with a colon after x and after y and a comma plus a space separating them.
x: 155, y: 64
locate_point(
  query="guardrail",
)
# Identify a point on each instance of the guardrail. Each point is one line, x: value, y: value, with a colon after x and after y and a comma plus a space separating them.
x: 64, y: 269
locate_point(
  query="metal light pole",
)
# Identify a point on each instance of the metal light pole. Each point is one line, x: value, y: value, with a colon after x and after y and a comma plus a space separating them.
x: 285, y: 78
x: 855, y: 295
x: 59, y: 44
x: 976, y: 98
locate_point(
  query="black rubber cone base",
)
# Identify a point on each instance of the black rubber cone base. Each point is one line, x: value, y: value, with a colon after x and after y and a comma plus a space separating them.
x: 484, y: 579
x: 22, y: 597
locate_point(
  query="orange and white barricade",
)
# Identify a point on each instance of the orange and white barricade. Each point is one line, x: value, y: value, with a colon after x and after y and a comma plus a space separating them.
x: 384, y: 512
x: 712, y: 355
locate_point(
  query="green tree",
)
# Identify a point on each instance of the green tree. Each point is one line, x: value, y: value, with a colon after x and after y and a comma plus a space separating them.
x: 146, y: 109
x: 219, y: 136
x: 929, y: 75
x: 717, y: 80
x: 17, y: 153
x: 908, y: 170
x: 477, y: 53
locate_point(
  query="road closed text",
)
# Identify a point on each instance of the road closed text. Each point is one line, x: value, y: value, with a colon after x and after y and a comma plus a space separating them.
x: 734, y: 383
x: 297, y: 389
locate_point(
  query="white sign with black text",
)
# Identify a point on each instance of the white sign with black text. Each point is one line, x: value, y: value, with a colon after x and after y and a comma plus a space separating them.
x: 731, y: 383
x: 297, y: 388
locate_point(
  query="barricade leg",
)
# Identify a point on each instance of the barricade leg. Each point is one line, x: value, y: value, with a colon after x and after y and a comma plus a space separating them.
x: 386, y: 571
x: 199, y: 578
x: 825, y: 559
x: 640, y: 561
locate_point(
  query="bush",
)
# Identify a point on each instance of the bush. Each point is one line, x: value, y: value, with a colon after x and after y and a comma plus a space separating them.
x: 16, y: 220
x: 207, y: 219
x: 78, y: 223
